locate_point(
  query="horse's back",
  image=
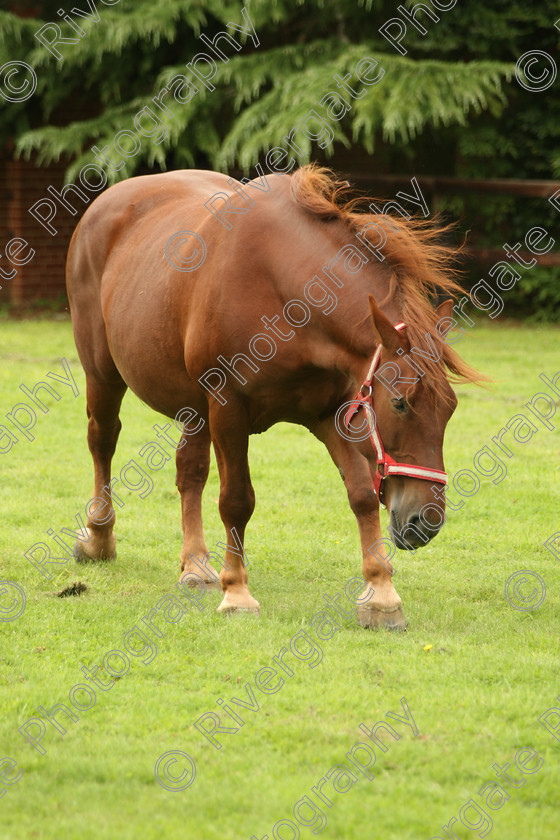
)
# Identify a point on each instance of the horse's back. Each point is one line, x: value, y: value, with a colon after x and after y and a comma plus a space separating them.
x: 115, y: 213
x: 129, y: 303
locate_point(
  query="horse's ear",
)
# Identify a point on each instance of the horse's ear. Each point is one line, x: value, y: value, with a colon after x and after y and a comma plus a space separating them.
x: 383, y: 328
x: 445, y: 309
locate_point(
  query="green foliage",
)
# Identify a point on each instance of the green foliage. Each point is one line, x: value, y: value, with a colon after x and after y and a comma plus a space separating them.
x: 538, y: 295
x: 127, y: 56
x: 398, y: 107
x: 450, y: 106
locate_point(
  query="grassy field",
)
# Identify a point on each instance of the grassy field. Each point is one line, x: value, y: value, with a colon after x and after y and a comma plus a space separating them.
x: 476, y: 673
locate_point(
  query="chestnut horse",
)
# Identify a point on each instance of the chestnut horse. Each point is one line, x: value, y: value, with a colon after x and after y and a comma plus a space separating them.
x: 186, y: 332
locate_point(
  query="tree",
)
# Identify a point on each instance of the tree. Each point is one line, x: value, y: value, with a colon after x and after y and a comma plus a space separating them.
x: 262, y: 91
x: 444, y: 100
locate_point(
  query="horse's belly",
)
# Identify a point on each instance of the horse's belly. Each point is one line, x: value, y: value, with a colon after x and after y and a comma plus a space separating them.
x: 147, y: 348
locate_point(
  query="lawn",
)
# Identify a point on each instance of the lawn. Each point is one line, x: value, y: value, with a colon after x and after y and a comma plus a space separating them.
x: 476, y: 672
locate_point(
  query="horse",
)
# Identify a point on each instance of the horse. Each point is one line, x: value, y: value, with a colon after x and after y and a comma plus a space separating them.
x: 185, y: 333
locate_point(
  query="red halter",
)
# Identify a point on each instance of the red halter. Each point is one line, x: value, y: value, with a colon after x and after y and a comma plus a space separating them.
x: 386, y: 466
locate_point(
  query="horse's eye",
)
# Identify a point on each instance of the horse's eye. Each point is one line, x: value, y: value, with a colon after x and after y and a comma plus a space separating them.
x: 400, y: 405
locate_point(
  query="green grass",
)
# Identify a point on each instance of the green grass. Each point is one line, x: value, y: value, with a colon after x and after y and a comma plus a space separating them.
x: 475, y: 695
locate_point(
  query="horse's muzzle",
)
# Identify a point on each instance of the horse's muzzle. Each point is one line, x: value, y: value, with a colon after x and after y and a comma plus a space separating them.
x: 413, y: 534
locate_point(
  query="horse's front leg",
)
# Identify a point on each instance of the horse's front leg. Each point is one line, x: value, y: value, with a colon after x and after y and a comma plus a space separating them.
x: 379, y: 605
x: 229, y: 429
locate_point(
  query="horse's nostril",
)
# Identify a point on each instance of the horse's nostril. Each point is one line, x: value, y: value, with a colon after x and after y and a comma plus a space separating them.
x: 423, y: 526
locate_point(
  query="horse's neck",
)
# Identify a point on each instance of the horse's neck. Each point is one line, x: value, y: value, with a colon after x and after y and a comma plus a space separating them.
x: 378, y: 281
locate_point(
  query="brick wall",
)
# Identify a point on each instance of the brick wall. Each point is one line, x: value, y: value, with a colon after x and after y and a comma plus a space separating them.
x: 21, y: 185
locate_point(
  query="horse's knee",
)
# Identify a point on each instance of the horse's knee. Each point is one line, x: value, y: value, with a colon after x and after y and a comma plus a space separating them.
x: 195, y: 473
x: 237, y: 505
x: 363, y: 500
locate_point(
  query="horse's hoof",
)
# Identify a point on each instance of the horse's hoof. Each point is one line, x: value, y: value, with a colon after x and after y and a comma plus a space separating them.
x: 192, y: 580
x: 241, y: 602
x: 234, y: 610
x: 371, y: 617
x: 81, y: 555
x: 193, y: 574
x: 209, y: 584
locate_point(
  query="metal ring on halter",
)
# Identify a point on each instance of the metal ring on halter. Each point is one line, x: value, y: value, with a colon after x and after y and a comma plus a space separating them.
x: 370, y: 391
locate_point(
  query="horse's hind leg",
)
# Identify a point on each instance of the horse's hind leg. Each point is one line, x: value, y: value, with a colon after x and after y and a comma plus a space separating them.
x: 103, y: 405
x: 193, y: 464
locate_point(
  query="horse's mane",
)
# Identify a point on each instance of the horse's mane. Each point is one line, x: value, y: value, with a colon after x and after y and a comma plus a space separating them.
x: 423, y: 267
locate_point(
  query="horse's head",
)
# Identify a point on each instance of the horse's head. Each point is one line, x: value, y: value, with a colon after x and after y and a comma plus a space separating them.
x: 407, y: 419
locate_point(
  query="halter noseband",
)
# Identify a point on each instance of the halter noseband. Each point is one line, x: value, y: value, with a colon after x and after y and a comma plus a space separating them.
x: 386, y: 466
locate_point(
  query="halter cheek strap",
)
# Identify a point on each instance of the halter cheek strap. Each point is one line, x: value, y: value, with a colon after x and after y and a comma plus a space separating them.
x: 386, y: 466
